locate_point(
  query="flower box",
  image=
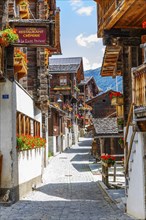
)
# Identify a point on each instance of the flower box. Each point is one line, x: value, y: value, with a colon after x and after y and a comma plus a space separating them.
x: 20, y: 64
x: 23, y: 8
x: 20, y: 68
x: 117, y: 101
x: 27, y: 142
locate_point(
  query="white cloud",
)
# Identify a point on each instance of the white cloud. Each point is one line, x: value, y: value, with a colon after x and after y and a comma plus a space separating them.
x: 88, y: 66
x: 85, y: 10
x: 86, y: 41
x: 79, y: 8
x: 103, y: 49
x: 96, y: 65
x: 76, y: 4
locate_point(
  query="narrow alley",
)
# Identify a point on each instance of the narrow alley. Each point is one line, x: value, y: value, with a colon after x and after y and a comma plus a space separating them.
x: 68, y: 192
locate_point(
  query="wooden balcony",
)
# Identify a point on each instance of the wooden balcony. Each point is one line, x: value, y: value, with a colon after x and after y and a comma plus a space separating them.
x: 120, y: 14
x: 139, y: 85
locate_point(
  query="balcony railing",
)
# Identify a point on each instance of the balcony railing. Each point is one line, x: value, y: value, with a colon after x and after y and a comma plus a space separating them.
x: 139, y: 86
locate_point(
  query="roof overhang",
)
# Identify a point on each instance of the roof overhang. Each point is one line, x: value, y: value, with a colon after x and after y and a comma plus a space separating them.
x: 110, y: 61
x: 108, y: 136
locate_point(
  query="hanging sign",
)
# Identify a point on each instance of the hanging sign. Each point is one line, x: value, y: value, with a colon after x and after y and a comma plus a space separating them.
x: 31, y: 35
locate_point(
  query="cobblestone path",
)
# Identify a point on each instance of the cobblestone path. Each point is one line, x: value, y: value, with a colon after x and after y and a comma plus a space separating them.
x: 68, y: 192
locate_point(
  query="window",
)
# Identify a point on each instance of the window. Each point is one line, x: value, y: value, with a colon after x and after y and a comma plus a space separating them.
x: 63, y: 80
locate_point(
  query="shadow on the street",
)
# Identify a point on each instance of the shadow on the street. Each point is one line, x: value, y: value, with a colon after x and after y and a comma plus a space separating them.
x: 77, y: 150
x: 74, y: 190
x: 85, y: 143
x: 80, y: 167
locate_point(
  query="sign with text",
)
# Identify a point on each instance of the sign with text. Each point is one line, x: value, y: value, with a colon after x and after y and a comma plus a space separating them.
x: 31, y: 35
x: 5, y: 96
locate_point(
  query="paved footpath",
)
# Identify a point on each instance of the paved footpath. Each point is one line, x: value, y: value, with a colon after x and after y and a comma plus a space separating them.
x: 68, y: 192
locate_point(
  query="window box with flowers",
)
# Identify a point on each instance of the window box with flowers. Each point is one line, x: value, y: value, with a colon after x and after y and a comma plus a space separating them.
x: 28, y: 142
x: 107, y: 160
x: 24, y: 10
x: 8, y: 36
x: 116, y: 98
x: 20, y: 64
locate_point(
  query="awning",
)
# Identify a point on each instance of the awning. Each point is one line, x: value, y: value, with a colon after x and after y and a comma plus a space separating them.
x: 110, y: 61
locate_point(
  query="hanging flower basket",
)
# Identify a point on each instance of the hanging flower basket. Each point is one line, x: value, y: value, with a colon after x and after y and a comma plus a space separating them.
x: 8, y: 36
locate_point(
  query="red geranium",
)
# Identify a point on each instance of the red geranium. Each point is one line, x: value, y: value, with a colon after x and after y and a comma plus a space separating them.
x: 106, y: 158
x: 25, y: 142
x: 144, y: 24
x: 115, y: 94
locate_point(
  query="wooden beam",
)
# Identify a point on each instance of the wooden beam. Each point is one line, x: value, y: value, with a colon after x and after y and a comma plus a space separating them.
x: 119, y: 12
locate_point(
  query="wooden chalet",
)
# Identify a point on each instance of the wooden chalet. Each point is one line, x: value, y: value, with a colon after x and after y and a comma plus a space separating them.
x: 102, y: 101
x: 37, y: 24
x: 24, y: 62
x: 121, y: 24
x: 107, y: 132
x: 88, y: 89
x: 66, y: 74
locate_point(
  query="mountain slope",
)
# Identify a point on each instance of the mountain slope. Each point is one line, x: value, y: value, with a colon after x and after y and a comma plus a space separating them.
x: 105, y: 83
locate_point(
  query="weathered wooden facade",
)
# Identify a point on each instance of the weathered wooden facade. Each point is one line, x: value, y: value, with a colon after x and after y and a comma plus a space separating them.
x: 88, y: 89
x: 66, y: 74
x: 106, y: 130
x: 121, y: 25
x: 102, y: 101
x: 25, y: 61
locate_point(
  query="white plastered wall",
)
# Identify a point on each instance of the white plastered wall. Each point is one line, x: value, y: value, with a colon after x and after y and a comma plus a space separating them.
x: 136, y: 190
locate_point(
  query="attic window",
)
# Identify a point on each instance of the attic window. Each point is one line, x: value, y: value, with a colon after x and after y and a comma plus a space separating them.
x: 63, y: 80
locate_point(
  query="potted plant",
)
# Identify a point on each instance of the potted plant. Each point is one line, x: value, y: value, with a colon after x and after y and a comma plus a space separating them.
x: 116, y: 98
x: 120, y: 123
x: 107, y: 160
x: 8, y: 36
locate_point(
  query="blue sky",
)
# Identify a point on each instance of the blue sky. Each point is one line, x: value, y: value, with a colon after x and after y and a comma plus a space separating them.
x: 78, y: 23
